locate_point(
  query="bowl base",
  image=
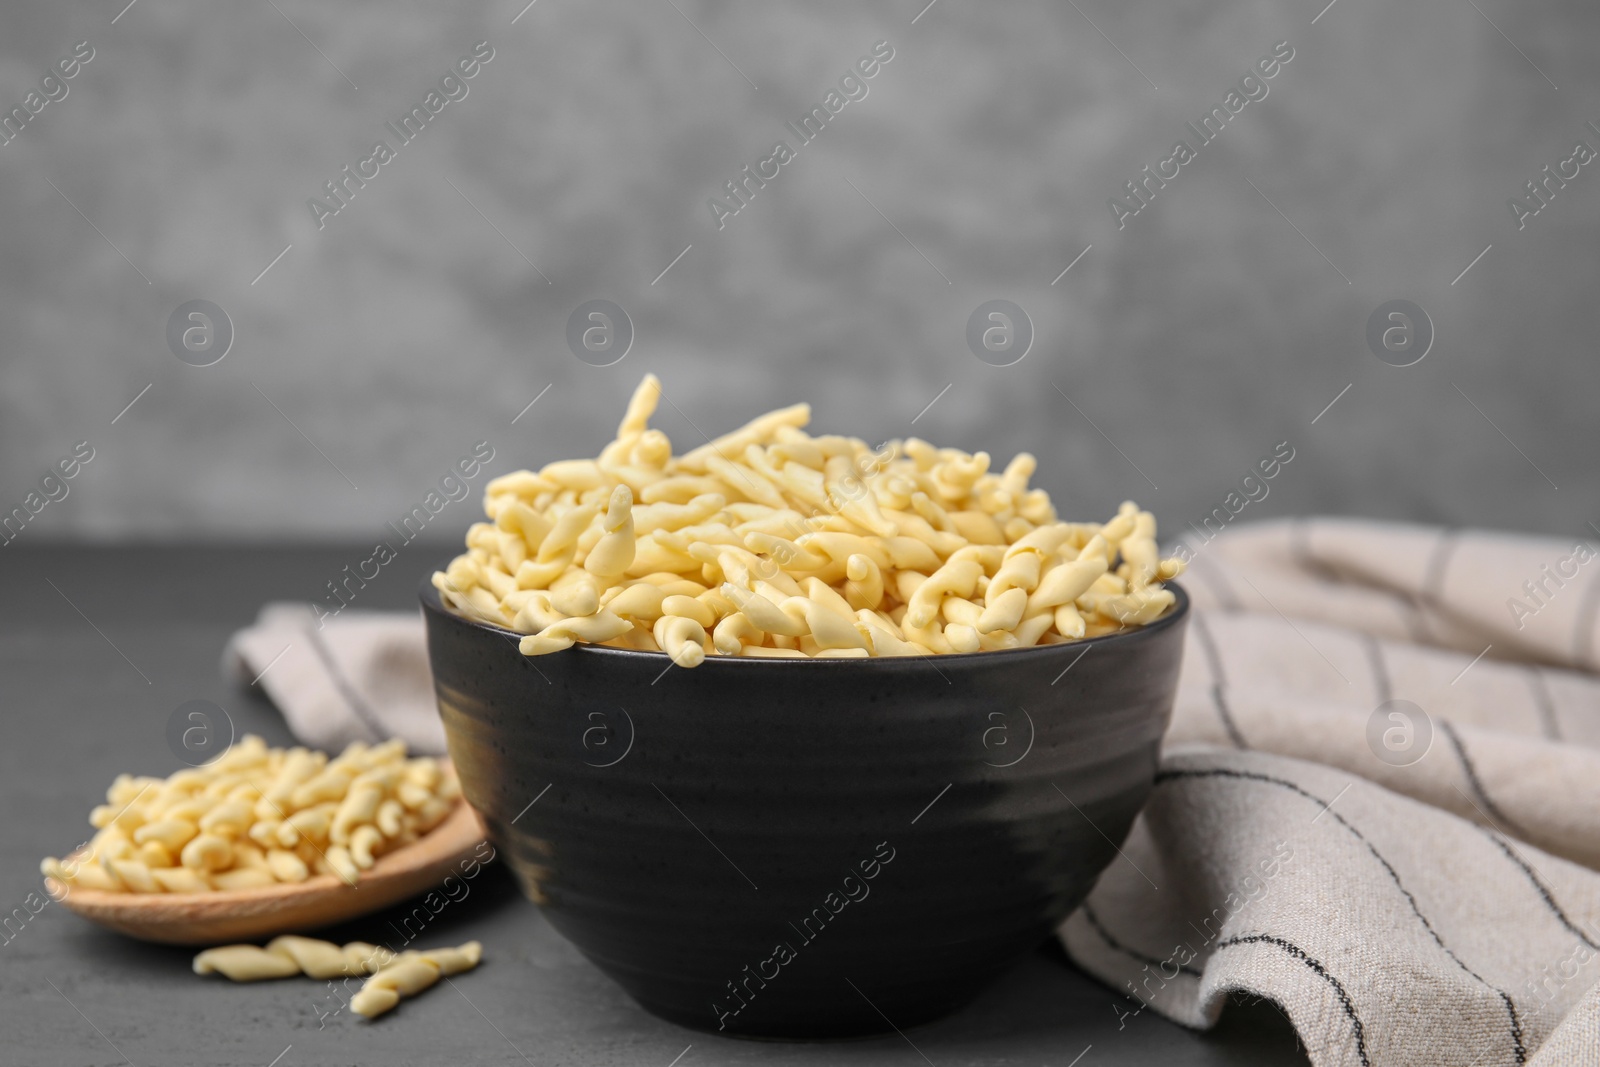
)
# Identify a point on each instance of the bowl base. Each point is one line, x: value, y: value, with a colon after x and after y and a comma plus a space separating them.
x: 820, y: 1022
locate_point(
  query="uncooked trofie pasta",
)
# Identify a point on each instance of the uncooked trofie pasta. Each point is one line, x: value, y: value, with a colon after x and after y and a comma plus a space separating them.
x: 289, y: 955
x: 771, y: 542
x: 394, y: 974
x: 409, y: 974
x: 258, y: 816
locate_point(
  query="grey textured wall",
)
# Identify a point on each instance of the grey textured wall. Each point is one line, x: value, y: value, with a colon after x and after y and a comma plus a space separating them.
x: 1216, y: 323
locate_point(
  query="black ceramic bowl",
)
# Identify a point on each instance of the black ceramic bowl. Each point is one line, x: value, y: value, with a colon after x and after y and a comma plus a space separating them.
x: 805, y: 848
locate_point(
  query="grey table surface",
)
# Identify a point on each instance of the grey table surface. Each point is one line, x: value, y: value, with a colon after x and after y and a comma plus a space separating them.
x: 99, y: 645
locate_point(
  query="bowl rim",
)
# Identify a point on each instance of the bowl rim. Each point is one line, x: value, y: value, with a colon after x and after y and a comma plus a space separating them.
x: 432, y: 603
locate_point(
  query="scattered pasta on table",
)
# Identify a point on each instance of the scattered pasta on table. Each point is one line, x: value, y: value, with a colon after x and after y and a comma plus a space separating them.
x: 394, y: 975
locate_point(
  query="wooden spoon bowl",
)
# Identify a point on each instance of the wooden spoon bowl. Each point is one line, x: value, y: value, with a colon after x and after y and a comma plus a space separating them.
x: 255, y: 914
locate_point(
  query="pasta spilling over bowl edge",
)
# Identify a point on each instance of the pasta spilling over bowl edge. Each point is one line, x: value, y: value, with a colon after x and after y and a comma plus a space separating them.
x: 771, y: 542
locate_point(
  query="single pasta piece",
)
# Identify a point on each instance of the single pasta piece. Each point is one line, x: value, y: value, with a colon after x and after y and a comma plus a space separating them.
x: 257, y: 817
x: 289, y: 955
x: 770, y: 542
x: 409, y: 974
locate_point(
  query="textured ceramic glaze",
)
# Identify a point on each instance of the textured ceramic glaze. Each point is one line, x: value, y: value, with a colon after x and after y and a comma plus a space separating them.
x: 805, y: 848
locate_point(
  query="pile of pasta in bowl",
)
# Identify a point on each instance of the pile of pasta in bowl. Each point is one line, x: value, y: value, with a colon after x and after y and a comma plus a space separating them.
x: 771, y: 542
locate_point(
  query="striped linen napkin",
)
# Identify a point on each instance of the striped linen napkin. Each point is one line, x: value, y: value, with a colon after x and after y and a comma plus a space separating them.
x: 1379, y: 802
x: 363, y: 676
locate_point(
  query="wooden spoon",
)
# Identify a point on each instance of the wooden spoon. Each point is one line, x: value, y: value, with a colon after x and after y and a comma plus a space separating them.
x: 254, y: 914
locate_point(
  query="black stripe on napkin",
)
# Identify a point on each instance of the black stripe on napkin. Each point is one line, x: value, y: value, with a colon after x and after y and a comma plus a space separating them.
x: 1134, y: 954
x: 1487, y: 804
x: 1284, y: 783
x: 1316, y: 965
x: 1544, y: 891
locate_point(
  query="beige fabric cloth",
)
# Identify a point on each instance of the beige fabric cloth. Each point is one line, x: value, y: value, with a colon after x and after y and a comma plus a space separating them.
x: 362, y: 677
x: 1444, y: 911
x: 1440, y: 907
